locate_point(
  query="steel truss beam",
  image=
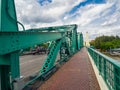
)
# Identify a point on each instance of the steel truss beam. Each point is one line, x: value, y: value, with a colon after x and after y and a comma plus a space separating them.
x: 63, y: 28
x: 50, y: 60
x: 12, y: 41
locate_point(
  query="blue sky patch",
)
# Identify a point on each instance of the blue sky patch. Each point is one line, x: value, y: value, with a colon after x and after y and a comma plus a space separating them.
x: 44, y: 2
x: 86, y: 2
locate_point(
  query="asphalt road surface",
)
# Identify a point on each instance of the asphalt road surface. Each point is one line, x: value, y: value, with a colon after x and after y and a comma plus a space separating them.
x: 31, y: 64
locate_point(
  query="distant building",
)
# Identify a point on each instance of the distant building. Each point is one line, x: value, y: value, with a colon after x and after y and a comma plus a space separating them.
x: 87, y: 40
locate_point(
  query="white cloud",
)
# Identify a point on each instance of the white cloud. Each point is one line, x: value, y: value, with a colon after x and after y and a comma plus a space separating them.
x: 95, y: 18
x: 100, y: 20
x: 30, y: 12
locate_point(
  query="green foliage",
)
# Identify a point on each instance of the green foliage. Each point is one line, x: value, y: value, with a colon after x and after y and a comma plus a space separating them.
x: 106, y: 42
x: 44, y: 45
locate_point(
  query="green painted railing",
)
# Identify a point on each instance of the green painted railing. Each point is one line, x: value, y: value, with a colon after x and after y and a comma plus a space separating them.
x: 108, y: 68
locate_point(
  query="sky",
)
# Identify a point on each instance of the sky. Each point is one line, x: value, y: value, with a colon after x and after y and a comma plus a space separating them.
x: 97, y: 17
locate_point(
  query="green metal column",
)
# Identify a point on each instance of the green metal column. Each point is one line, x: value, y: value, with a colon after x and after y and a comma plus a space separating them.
x: 4, y: 78
x: 0, y: 14
x: 81, y: 40
x: 8, y: 16
x: 9, y: 64
x: 15, y: 70
x: 74, y: 39
x: 78, y: 37
x: 69, y: 35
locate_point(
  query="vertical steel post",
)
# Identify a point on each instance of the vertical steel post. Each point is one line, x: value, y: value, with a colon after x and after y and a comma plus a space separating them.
x: 81, y: 40
x: 75, y: 32
x: 74, y: 39
x: 10, y: 62
x: 15, y: 70
x: 4, y: 73
x: 0, y: 13
x: 8, y: 16
x: 0, y: 78
x: 78, y: 38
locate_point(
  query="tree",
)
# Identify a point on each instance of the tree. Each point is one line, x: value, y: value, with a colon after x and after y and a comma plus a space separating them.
x: 106, y: 42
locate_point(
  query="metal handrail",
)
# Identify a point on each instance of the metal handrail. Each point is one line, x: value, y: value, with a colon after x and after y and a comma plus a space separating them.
x: 108, y: 68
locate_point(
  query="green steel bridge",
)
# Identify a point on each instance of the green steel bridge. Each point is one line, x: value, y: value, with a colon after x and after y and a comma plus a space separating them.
x: 77, y: 73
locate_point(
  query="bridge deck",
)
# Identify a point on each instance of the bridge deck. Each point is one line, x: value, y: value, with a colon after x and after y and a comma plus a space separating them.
x: 76, y: 74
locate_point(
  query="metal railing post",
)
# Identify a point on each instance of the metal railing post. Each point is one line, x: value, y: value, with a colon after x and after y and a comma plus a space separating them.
x: 108, y: 68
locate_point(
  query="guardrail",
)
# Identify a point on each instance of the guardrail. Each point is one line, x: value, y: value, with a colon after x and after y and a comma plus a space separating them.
x: 108, y: 68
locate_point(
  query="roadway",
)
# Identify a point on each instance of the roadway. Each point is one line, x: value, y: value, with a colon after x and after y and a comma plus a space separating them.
x: 30, y: 64
x: 116, y: 57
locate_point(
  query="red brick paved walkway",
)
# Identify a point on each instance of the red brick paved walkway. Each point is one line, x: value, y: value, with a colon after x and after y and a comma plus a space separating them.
x: 76, y: 74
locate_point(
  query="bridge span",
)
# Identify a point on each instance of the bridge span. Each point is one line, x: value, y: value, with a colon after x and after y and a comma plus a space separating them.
x: 65, y: 41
